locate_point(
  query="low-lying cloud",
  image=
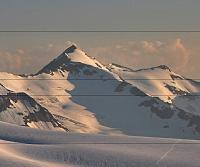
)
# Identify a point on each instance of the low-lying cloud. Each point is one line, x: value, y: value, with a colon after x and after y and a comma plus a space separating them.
x: 12, y: 60
x: 134, y: 54
x: 140, y: 54
x: 149, y: 47
x: 182, y: 53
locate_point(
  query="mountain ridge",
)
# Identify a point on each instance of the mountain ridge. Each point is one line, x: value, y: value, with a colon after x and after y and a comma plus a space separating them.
x: 74, y: 89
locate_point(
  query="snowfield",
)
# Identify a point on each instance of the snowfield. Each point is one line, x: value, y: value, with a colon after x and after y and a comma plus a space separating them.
x: 22, y: 146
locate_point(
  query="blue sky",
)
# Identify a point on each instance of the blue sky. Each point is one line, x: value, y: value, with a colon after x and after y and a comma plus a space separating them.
x: 94, y: 14
x: 105, y: 15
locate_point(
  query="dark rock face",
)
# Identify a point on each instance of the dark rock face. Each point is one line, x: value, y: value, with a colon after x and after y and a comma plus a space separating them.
x: 89, y: 72
x: 176, y: 77
x: 77, y: 68
x: 55, y: 65
x: 71, y: 49
x: 4, y: 103
x: 120, y: 66
x: 58, y: 63
x: 193, y: 120
x: 163, y: 67
x: 121, y: 86
x: 166, y: 112
x: 175, y: 90
x: 132, y: 90
x: 137, y: 92
x: 34, y: 111
x: 163, y: 111
x: 64, y: 64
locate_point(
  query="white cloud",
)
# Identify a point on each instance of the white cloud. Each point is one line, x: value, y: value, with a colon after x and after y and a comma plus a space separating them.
x: 182, y: 53
x: 12, y: 60
x: 149, y: 47
x: 135, y: 54
x: 20, y: 51
x: 142, y: 54
x: 159, y: 43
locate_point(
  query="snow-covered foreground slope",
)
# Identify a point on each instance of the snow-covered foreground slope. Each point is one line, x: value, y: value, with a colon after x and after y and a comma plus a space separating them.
x: 76, y: 93
x: 22, y: 146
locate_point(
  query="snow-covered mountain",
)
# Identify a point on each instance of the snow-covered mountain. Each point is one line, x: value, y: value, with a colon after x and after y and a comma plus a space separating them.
x: 77, y: 93
x: 21, y: 109
x: 159, y: 81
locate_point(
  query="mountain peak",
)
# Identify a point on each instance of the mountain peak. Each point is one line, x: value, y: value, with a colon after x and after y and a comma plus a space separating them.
x: 62, y: 59
x: 71, y: 55
x: 65, y: 54
x: 71, y: 49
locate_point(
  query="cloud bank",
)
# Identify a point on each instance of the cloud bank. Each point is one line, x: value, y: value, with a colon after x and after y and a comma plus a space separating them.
x: 132, y: 53
x: 140, y: 54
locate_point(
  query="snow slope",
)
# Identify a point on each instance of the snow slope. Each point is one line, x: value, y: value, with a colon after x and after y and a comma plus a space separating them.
x: 82, y: 95
x: 159, y: 81
x: 22, y: 146
x: 23, y: 110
